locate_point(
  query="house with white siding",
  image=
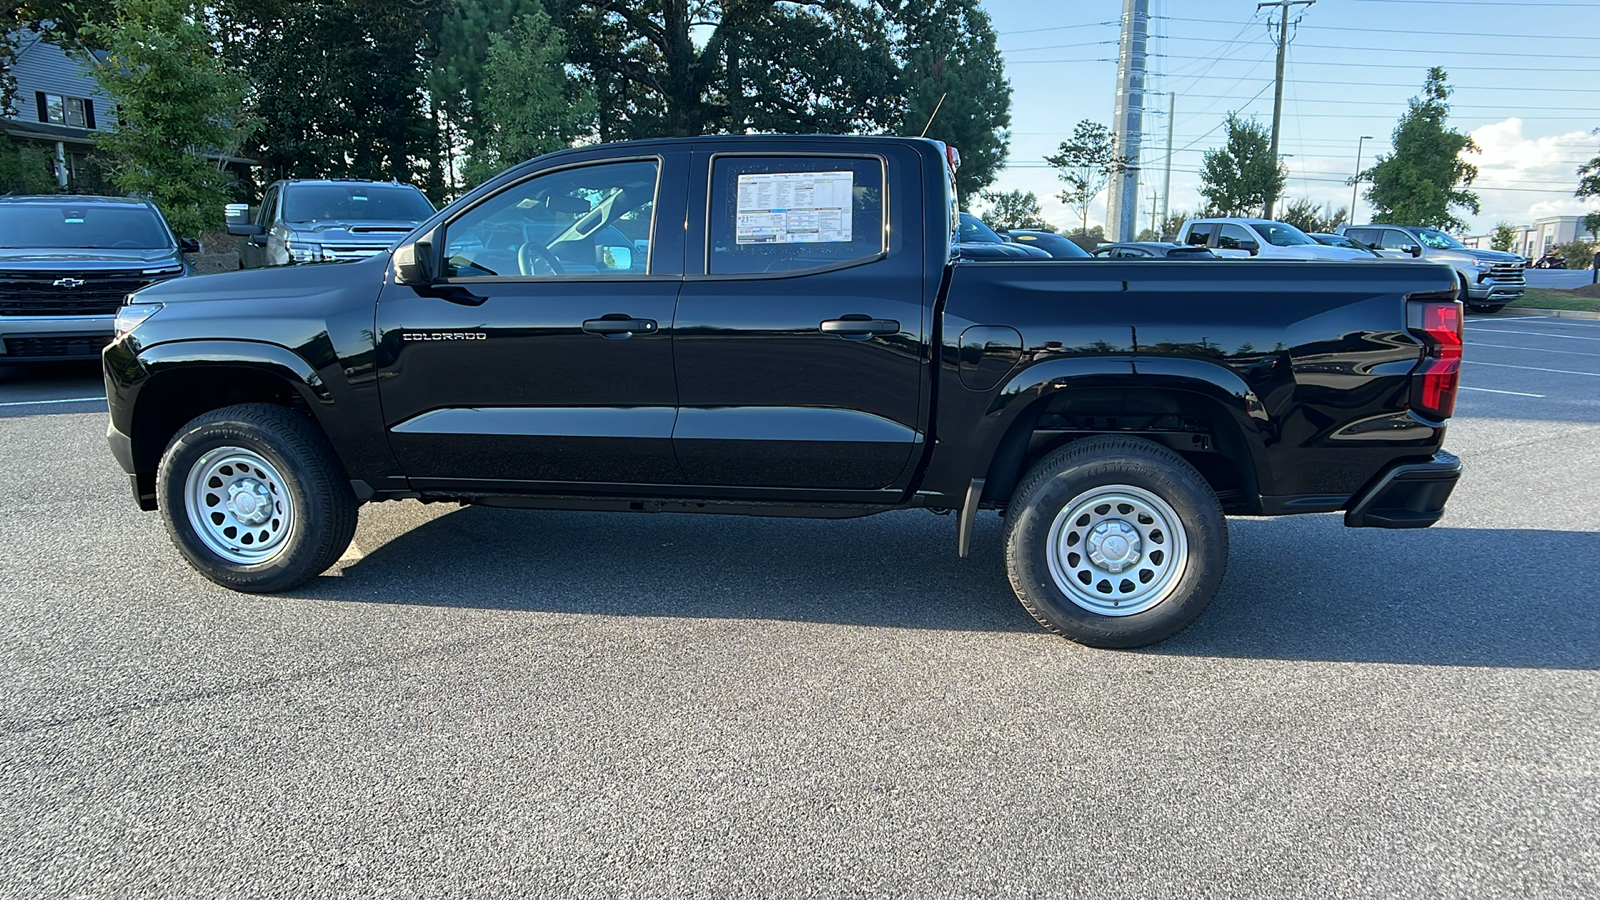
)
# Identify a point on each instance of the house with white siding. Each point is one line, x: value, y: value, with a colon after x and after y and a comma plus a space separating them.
x: 59, y: 105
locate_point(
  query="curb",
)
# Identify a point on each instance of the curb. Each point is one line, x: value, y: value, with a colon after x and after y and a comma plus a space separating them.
x: 1553, y: 313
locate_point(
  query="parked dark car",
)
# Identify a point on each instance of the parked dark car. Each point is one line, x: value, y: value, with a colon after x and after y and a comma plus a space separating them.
x: 796, y: 342
x: 1056, y: 245
x: 1339, y: 240
x: 979, y: 241
x: 66, y: 265
x: 1151, y: 250
x: 333, y: 220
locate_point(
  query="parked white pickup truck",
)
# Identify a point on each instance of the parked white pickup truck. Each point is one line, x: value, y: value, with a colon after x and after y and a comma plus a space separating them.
x: 1262, y: 238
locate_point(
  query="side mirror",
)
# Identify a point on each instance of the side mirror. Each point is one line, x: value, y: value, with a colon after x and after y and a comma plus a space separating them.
x: 188, y: 245
x: 1413, y: 249
x: 245, y: 229
x: 235, y: 212
x: 414, y: 264
x: 615, y: 259
x: 1250, y: 247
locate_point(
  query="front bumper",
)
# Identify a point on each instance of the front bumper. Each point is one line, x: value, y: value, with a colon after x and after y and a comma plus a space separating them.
x: 44, y: 339
x: 1408, y: 495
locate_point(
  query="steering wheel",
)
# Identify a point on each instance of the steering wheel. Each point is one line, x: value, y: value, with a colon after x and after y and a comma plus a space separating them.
x: 531, y: 258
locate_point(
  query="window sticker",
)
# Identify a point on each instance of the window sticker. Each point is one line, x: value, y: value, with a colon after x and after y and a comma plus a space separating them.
x: 795, y: 208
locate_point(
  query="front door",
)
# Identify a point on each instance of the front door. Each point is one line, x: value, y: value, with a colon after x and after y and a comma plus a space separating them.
x: 543, y: 358
x: 799, y: 339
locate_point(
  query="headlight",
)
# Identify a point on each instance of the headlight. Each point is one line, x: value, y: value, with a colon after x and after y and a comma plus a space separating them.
x: 303, y: 252
x: 131, y: 316
x: 1481, y: 264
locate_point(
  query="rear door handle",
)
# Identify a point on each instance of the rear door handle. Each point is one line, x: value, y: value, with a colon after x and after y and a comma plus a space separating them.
x: 858, y: 327
x: 618, y: 325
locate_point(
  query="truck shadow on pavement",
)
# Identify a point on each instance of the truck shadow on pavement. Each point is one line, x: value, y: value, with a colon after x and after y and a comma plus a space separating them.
x: 1297, y: 589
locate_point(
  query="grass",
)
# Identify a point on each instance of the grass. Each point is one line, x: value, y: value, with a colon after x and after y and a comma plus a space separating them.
x: 1549, y: 298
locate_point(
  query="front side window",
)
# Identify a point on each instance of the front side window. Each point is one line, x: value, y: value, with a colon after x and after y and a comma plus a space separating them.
x: 591, y: 220
x: 269, y: 208
x: 1233, y: 237
x: 773, y: 214
x: 1394, y: 239
x: 1438, y: 240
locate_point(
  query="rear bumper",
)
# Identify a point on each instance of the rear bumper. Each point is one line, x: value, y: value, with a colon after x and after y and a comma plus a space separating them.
x: 1409, y: 495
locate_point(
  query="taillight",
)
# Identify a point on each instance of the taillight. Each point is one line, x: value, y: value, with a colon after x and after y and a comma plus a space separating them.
x: 1437, y: 378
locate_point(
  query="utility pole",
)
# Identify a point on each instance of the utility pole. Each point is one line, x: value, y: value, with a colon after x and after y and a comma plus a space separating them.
x: 1277, y: 93
x: 1166, y: 179
x: 1122, y: 207
x: 1153, y: 224
x: 1355, y: 183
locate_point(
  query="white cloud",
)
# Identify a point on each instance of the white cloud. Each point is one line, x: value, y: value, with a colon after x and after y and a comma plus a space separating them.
x: 1521, y: 178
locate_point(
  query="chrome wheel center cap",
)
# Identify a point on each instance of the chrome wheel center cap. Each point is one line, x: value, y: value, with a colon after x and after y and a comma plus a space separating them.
x: 1114, y: 545
x: 250, y: 501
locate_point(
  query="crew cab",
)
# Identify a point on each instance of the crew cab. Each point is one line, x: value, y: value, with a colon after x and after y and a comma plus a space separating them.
x: 1488, y: 279
x: 782, y: 326
x: 1258, y: 238
x: 327, y: 220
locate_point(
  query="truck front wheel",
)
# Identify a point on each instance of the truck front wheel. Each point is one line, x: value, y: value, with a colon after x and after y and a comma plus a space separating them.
x: 254, y: 498
x: 1115, y: 542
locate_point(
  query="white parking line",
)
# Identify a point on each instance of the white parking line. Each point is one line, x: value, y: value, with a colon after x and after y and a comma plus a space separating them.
x: 1479, y: 362
x: 1533, y: 349
x: 68, y: 400
x: 1565, y: 337
x: 1493, y: 391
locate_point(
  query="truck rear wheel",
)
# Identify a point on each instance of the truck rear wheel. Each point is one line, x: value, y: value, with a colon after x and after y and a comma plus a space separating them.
x: 254, y: 498
x: 1115, y: 542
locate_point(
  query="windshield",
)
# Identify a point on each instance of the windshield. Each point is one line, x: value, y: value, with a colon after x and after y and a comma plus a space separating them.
x: 88, y: 227
x: 1280, y: 234
x: 1438, y: 240
x: 367, y: 202
x: 973, y: 231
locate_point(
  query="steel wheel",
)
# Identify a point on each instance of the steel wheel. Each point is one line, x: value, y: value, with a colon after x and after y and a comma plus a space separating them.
x: 239, y: 505
x: 1117, y: 550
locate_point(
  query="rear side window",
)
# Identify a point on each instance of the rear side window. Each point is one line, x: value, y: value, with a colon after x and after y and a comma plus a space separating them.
x: 1200, y: 235
x: 1368, y: 236
x: 791, y: 213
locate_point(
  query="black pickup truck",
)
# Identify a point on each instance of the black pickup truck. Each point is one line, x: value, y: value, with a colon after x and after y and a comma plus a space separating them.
x: 783, y: 326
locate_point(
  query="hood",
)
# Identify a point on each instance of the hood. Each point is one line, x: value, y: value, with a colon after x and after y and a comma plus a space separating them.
x: 354, y: 231
x: 271, y: 284
x: 1494, y: 256
x: 80, y: 259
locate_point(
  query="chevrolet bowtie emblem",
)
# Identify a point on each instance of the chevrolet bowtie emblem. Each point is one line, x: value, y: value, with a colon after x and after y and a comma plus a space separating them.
x: 67, y: 282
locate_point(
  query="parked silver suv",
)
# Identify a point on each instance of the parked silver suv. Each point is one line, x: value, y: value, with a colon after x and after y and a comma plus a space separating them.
x: 1489, y: 279
x: 303, y: 221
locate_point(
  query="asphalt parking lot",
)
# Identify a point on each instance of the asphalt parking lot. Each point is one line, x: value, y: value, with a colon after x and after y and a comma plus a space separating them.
x: 484, y: 702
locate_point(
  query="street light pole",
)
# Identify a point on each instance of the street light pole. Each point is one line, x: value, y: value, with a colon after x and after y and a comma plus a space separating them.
x: 1355, y: 183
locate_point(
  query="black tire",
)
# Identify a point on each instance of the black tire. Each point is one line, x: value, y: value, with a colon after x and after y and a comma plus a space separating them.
x: 283, y: 458
x: 1182, y: 581
x: 1461, y: 290
x: 1489, y: 308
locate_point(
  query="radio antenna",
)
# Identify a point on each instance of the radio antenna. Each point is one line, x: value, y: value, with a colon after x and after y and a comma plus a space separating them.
x: 934, y: 113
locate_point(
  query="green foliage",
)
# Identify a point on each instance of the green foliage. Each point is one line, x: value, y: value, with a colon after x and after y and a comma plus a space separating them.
x: 673, y: 67
x: 1237, y: 179
x: 949, y: 50
x: 177, y: 103
x: 1578, y: 254
x: 1312, y: 217
x: 1503, y: 237
x: 1090, y: 238
x: 25, y: 169
x: 1173, y: 223
x: 1013, y: 209
x: 1085, y: 162
x: 1591, y: 224
x: 1589, y: 178
x: 529, y: 105
x: 1424, y: 178
x: 459, y: 70
x: 338, y: 87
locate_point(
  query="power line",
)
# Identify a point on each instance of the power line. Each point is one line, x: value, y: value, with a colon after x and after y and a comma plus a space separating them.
x: 1055, y: 28
x: 1365, y: 65
x: 1519, y: 4
x: 1404, y: 31
x: 1431, y: 52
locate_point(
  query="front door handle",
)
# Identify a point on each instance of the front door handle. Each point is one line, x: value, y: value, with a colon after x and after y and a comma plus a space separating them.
x: 858, y: 327
x: 618, y: 325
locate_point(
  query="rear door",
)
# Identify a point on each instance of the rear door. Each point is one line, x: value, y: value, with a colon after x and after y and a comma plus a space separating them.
x: 799, y: 345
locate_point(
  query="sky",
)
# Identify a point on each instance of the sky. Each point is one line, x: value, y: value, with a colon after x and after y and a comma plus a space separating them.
x: 1524, y: 74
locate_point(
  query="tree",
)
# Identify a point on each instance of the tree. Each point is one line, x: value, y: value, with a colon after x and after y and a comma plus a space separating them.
x: 25, y: 169
x: 1591, y: 224
x: 1013, y: 209
x: 338, y: 87
x: 1313, y: 218
x: 1238, y: 178
x: 178, y: 105
x: 529, y: 105
x: 458, y: 72
x: 1589, y: 177
x: 947, y: 51
x: 1086, y: 162
x: 1578, y: 254
x: 1173, y: 223
x: 1090, y: 239
x: 689, y: 67
x: 1424, y: 178
x: 1502, y: 239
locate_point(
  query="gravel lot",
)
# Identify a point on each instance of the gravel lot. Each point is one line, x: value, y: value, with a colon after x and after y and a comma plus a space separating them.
x: 486, y: 702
